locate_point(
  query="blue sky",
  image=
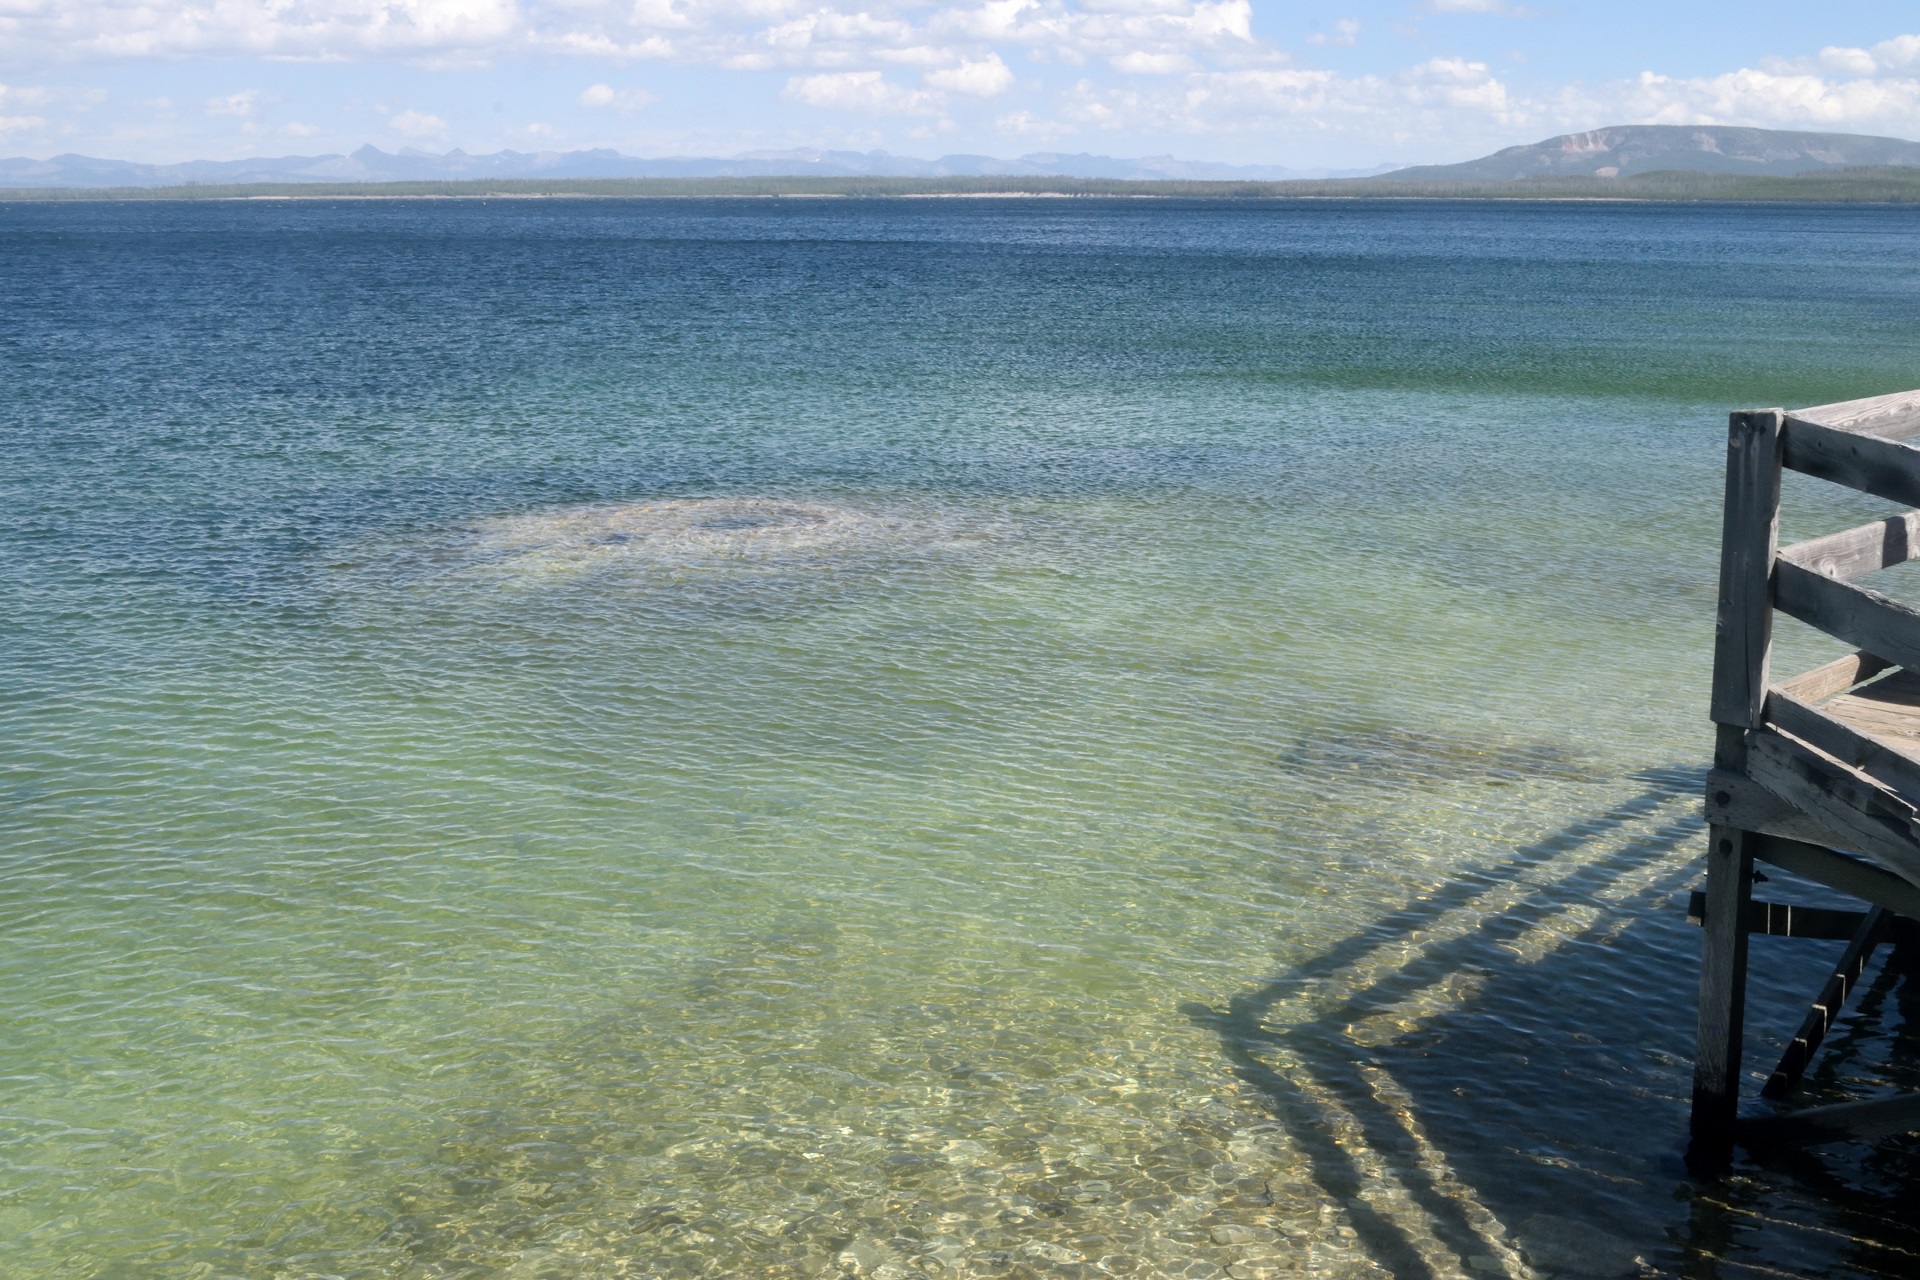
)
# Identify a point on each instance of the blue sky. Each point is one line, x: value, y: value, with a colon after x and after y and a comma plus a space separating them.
x: 1246, y: 81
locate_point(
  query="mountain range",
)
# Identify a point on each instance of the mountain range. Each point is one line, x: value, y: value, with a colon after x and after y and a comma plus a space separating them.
x: 1626, y: 150
x: 370, y: 164
x: 1619, y: 151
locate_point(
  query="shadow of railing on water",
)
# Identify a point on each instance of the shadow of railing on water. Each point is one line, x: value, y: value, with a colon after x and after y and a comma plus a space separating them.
x: 1366, y: 1109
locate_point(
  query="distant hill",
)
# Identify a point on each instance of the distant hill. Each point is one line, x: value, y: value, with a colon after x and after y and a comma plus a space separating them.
x: 370, y: 164
x: 1623, y: 151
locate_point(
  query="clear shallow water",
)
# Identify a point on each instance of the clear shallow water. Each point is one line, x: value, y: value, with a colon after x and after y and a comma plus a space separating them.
x: 755, y: 738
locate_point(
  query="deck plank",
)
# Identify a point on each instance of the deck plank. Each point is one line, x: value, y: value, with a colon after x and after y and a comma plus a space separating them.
x: 1888, y: 711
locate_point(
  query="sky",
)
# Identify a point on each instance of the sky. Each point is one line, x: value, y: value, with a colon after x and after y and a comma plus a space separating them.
x: 1310, y: 84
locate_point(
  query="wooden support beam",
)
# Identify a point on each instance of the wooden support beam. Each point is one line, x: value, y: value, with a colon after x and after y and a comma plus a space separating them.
x: 1861, y: 617
x: 1833, y: 737
x: 1849, y: 875
x: 1735, y: 800
x: 1723, y: 998
x: 1881, y: 467
x: 1890, y: 417
x: 1841, y: 1122
x: 1785, y: 920
x: 1795, y: 842
x: 1866, y: 549
x: 1742, y: 640
x: 1861, y: 814
x: 1837, y: 676
x: 1867, y: 935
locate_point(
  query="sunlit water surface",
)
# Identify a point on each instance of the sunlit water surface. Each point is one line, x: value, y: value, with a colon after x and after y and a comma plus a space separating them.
x: 591, y: 739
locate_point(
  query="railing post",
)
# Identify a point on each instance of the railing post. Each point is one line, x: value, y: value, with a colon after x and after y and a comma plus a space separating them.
x: 1749, y: 536
x: 1743, y: 636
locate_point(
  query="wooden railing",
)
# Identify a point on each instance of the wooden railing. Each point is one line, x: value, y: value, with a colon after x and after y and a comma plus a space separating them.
x: 1793, y: 781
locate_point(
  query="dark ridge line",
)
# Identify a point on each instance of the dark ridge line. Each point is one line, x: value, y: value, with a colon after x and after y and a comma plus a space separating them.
x: 1888, y: 184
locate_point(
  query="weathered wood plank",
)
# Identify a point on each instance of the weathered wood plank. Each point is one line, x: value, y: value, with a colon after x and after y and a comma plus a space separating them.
x: 1883, y: 468
x: 1848, y: 874
x: 1865, y: 549
x: 1786, y: 919
x: 1867, y: 935
x: 1841, y: 1122
x: 1862, y: 815
x: 1723, y: 998
x: 1846, y: 744
x: 1886, y: 710
x: 1861, y: 617
x: 1837, y: 676
x: 1890, y: 417
x: 1749, y: 533
x: 1735, y: 800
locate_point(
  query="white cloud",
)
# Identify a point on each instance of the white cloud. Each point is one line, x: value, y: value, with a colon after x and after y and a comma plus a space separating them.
x: 415, y: 124
x: 866, y: 91
x: 323, y: 29
x: 234, y: 104
x: 1500, y: 7
x: 1026, y: 124
x: 1440, y: 98
x: 1774, y: 100
x: 797, y: 34
x: 1140, y: 63
x: 1345, y: 32
x: 659, y: 13
x: 983, y: 78
x: 1896, y: 54
x: 606, y: 97
x: 1455, y: 107
x: 1851, y: 62
x: 17, y: 103
x: 23, y: 95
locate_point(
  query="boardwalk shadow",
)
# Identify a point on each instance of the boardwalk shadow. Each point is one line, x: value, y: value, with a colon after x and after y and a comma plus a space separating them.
x: 1497, y: 1073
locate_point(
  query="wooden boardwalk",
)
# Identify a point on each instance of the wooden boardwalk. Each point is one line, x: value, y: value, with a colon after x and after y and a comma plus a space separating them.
x: 1818, y: 774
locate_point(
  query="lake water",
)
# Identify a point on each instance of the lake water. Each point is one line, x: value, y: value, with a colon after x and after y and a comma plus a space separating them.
x: 925, y: 738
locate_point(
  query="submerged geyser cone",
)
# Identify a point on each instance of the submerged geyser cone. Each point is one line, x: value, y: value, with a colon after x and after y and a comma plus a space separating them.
x: 676, y: 530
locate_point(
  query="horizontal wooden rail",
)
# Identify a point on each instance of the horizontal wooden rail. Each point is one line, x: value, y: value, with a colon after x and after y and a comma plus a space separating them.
x: 1884, y: 468
x: 1880, y: 545
x: 1861, y: 617
x: 1892, y: 417
x: 1785, y: 920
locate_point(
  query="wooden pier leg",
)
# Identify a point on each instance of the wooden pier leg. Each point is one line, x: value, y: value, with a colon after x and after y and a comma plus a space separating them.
x: 1723, y: 1000
x: 1742, y: 641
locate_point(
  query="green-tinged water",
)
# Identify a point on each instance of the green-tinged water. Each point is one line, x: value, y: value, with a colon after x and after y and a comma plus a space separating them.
x: 591, y: 739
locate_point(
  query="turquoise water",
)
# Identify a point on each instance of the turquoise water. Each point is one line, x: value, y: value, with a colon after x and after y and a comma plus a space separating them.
x: 945, y: 738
